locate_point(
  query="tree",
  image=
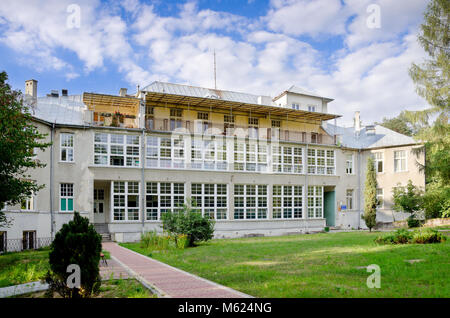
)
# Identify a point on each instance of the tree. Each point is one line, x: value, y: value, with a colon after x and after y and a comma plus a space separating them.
x: 190, y: 223
x: 370, y: 195
x: 400, y: 124
x: 432, y: 80
x: 76, y: 243
x: 18, y: 139
x: 409, y: 199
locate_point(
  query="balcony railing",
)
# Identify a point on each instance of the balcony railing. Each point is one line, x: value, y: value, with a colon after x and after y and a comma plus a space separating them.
x: 211, y: 128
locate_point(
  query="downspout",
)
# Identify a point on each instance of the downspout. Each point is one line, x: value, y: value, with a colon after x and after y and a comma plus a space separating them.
x: 143, y: 179
x: 305, y: 165
x: 52, y: 217
x: 359, y: 189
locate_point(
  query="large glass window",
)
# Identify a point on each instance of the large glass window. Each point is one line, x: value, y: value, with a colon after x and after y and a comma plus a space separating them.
x: 321, y: 161
x: 250, y: 201
x: 287, y: 159
x: 379, y: 162
x: 162, y: 197
x: 315, y: 202
x: 287, y: 201
x: 211, y: 200
x: 125, y: 200
x: 116, y: 150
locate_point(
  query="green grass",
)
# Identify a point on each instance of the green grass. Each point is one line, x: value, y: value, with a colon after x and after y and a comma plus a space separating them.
x: 316, y: 265
x: 23, y: 267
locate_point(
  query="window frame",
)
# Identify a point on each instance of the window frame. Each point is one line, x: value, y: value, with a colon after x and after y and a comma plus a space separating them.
x: 279, y: 200
x: 200, y: 200
x: 68, y: 149
x: 70, y: 189
x: 161, y: 197
x: 125, y: 196
x: 245, y: 210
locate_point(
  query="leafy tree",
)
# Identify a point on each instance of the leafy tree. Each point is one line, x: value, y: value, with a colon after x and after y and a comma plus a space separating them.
x: 76, y: 243
x: 432, y: 80
x: 18, y: 139
x: 408, y: 199
x: 399, y: 124
x: 370, y: 195
x: 189, y: 222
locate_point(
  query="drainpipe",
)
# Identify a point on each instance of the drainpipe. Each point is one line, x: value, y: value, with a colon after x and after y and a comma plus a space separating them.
x: 52, y: 217
x: 143, y: 179
x: 305, y: 192
x: 359, y: 189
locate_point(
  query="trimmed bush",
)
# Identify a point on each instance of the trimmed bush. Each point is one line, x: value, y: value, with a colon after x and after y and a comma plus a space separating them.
x: 76, y: 243
x: 427, y: 236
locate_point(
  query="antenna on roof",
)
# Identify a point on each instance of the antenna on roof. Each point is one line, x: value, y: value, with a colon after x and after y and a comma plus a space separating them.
x: 215, y: 71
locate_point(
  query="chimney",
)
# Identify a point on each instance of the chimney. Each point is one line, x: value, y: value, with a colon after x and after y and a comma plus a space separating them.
x: 357, y: 122
x: 64, y: 92
x: 31, y: 88
x: 123, y: 92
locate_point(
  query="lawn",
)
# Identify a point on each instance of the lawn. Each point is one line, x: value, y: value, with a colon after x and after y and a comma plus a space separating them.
x: 316, y: 265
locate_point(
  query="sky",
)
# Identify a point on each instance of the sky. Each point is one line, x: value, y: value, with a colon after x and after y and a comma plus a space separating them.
x: 357, y: 52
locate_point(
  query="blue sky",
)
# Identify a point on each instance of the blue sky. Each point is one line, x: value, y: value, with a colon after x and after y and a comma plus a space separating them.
x: 355, y: 51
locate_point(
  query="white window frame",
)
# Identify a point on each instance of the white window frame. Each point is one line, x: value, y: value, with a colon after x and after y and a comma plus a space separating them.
x: 135, y: 186
x: 29, y: 204
x: 349, y: 164
x: 349, y: 199
x: 175, y: 197
x: 128, y: 148
x: 258, y: 198
x: 380, y: 194
x: 217, y: 196
x: 250, y: 155
x: 311, y: 108
x: 402, y: 157
x: 315, y: 202
x: 379, y: 157
x: 328, y: 159
x: 66, y: 143
x: 287, y: 159
x: 285, y: 198
x: 66, y: 192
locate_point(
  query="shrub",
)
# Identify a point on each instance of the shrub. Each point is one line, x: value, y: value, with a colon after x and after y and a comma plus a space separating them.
x: 426, y: 236
x: 190, y: 223
x: 76, y: 243
x: 419, y: 236
x: 182, y: 241
x: 437, y: 201
x: 326, y: 229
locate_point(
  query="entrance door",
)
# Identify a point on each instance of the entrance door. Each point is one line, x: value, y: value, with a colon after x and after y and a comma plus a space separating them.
x: 99, y: 206
x: 330, y: 215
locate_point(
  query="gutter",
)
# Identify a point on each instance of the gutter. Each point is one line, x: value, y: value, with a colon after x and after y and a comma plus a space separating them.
x: 52, y: 216
x: 359, y: 188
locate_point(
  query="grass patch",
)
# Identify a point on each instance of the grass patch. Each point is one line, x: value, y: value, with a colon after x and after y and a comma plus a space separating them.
x: 23, y: 267
x: 107, y: 254
x: 116, y: 288
x: 317, y: 265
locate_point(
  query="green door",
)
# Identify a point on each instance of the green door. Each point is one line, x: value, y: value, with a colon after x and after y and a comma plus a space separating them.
x: 329, y: 207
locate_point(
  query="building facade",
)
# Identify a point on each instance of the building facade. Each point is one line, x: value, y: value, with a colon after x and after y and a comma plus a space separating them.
x: 257, y: 165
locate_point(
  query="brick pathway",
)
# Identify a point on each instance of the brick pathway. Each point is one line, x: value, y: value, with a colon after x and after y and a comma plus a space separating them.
x: 167, y: 280
x: 114, y: 268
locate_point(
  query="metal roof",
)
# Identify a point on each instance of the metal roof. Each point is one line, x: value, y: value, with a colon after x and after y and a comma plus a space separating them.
x: 382, y: 137
x: 192, y: 96
x: 68, y: 110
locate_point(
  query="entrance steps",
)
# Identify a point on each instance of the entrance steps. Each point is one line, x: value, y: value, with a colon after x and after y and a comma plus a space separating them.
x: 106, y: 237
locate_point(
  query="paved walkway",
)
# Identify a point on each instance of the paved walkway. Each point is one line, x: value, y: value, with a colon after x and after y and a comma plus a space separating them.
x: 168, y: 281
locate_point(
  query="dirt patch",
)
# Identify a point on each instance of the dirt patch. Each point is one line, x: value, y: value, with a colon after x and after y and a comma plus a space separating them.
x: 412, y: 261
x: 260, y: 263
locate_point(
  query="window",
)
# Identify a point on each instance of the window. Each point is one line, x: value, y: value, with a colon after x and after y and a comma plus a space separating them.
x: 202, y: 116
x: 295, y: 106
x: 66, y: 197
x: 66, y: 147
x: 29, y: 240
x: 250, y: 201
x: 276, y: 123
x: 379, y: 165
x: 125, y: 200
x: 253, y: 124
x: 315, y: 202
x: 311, y: 108
x: 116, y: 150
x: 287, y: 159
x: 380, y: 198
x: 27, y: 204
x: 149, y: 118
x: 175, y: 118
x: 349, y: 164
x: 2, y: 242
x: 321, y: 161
x: 211, y: 200
x: 162, y: 197
x: 287, y: 201
x: 400, y: 161
x: 228, y: 126
x: 349, y: 199
x: 250, y: 155
x: 99, y: 203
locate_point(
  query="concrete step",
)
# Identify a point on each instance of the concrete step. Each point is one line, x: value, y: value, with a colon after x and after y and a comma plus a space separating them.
x: 106, y: 237
x: 101, y: 228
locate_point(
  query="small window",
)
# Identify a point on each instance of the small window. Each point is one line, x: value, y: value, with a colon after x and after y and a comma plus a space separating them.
x: 349, y: 199
x: 149, y: 110
x: 228, y: 118
x: 311, y: 108
x: 400, y: 161
x: 202, y: 116
x: 29, y: 240
x: 380, y: 198
x: 379, y: 164
x: 253, y: 121
x: 295, y: 106
x: 276, y: 123
x: 174, y: 112
x: 27, y: 204
x: 66, y: 197
x: 66, y: 147
x: 349, y: 164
